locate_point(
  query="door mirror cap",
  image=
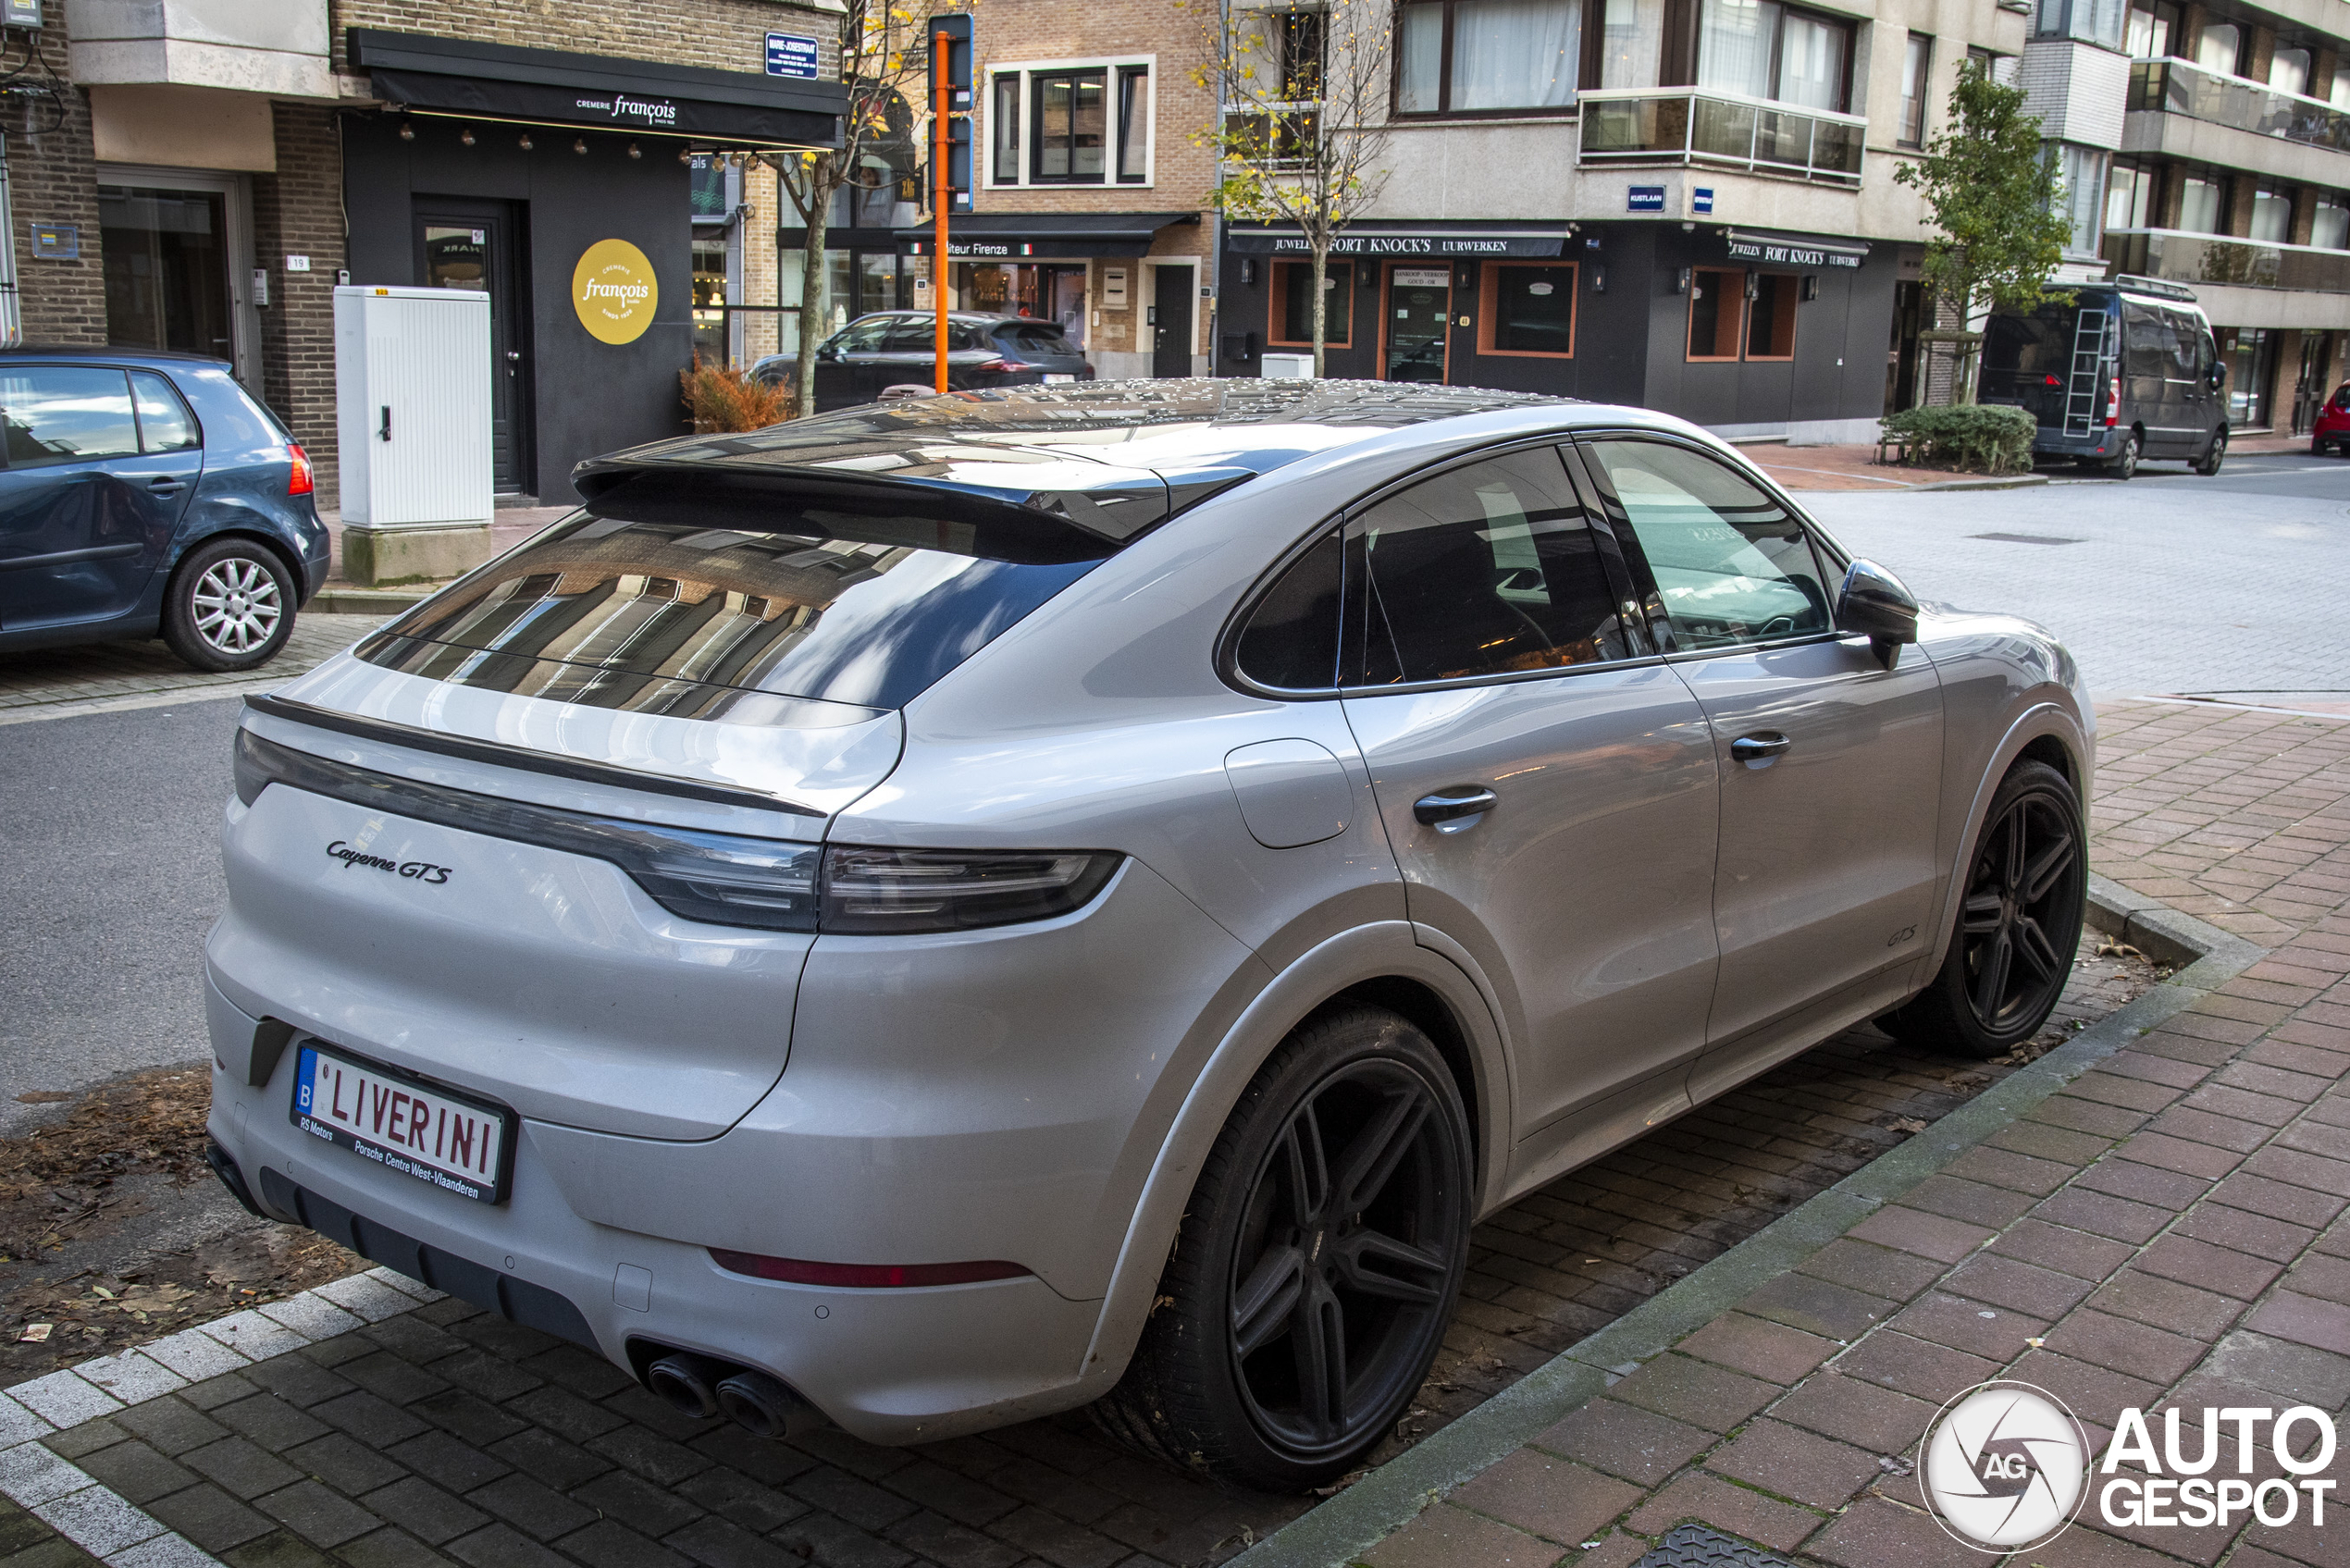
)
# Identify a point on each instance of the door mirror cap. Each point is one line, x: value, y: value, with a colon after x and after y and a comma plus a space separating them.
x: 1874, y: 603
x: 2217, y: 377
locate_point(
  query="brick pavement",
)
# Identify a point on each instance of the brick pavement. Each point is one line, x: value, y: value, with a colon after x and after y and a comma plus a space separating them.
x: 113, y: 670
x: 2166, y: 1231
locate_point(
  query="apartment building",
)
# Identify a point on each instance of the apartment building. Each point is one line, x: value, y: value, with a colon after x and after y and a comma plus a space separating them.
x: 201, y: 176
x: 1091, y: 200
x: 2208, y: 145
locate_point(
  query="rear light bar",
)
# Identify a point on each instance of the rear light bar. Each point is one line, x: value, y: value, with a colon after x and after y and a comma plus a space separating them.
x: 2113, y: 403
x: 722, y: 878
x: 865, y: 1276
x: 302, y: 480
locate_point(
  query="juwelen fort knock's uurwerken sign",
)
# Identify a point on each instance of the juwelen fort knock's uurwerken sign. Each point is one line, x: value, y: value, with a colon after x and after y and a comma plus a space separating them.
x: 614, y: 291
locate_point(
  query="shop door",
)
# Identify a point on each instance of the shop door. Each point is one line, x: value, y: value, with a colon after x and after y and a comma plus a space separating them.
x: 1419, y: 310
x: 478, y: 245
x: 1901, y: 354
x: 1171, y: 321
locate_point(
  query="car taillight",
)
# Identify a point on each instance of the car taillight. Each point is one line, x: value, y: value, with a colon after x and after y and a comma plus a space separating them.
x: 863, y: 1276
x: 995, y: 365
x: 301, y: 481
x: 2113, y: 403
x: 876, y: 891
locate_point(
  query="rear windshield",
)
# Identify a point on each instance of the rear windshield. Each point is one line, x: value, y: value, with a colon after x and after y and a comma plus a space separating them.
x: 704, y: 617
x: 2020, y: 351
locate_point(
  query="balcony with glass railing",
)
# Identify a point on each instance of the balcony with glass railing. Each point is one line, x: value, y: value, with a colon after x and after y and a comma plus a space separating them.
x: 2181, y: 87
x: 1645, y: 126
x: 2183, y: 257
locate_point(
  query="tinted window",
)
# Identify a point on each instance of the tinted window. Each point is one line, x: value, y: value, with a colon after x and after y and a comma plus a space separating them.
x: 1039, y: 339
x: 862, y: 337
x: 1730, y: 564
x: 1487, y: 569
x: 2182, y: 338
x: 721, y: 617
x: 165, y: 424
x: 2143, y: 345
x: 910, y: 335
x: 66, y: 413
x: 2030, y: 346
x: 1291, y: 640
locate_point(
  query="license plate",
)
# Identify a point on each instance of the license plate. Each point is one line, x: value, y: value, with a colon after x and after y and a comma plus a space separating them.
x: 457, y: 1144
x: 1056, y: 376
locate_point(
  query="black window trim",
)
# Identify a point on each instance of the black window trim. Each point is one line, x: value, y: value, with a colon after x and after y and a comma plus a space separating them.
x: 1106, y: 79
x: 1636, y: 559
x: 1444, y: 78
x: 1618, y: 568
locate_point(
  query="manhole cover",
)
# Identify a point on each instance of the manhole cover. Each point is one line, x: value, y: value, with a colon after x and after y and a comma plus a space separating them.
x: 2025, y: 539
x: 1695, y: 1546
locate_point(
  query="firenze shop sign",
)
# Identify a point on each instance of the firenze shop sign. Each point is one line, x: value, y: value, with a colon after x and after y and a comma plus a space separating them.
x: 1788, y: 253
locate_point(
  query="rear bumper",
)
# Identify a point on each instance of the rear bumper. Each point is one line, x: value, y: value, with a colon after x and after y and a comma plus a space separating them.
x: 2103, y: 442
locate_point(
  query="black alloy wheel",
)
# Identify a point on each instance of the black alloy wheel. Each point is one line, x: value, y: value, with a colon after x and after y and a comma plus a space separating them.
x: 2125, y: 465
x: 1317, y: 1265
x: 1335, y: 1304
x: 2209, y: 463
x: 2019, y: 923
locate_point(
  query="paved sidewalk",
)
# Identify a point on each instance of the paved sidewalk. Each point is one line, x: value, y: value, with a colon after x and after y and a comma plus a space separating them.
x: 2166, y: 1231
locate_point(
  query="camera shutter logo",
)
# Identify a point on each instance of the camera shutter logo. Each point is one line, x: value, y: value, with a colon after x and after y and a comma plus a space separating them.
x: 614, y: 291
x: 2003, y: 1467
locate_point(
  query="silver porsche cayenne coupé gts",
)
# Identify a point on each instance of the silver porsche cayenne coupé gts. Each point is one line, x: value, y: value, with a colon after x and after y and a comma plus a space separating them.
x: 935, y: 914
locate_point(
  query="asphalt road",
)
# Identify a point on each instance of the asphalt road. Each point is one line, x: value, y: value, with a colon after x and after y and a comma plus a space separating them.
x: 110, y: 878
x: 2169, y: 583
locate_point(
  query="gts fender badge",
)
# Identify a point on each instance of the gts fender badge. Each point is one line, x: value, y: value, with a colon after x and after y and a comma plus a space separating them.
x: 418, y: 870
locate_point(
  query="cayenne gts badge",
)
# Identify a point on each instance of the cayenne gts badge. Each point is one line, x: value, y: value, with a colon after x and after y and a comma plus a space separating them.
x: 419, y: 871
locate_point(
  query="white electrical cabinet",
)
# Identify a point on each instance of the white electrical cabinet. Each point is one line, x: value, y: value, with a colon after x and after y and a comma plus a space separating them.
x: 1287, y: 367
x: 413, y: 372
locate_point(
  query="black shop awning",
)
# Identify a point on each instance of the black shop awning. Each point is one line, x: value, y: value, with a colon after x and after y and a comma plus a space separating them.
x: 1794, y: 250
x: 715, y: 108
x: 1436, y: 239
x: 1032, y: 235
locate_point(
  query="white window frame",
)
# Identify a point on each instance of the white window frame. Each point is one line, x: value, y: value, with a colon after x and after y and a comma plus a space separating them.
x: 984, y: 147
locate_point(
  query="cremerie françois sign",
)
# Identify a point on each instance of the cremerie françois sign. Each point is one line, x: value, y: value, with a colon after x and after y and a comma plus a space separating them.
x: 1778, y: 253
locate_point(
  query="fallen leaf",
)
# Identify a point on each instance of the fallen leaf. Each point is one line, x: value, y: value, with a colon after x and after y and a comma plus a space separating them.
x: 35, y: 1333
x: 1906, y: 1124
x: 43, y: 1097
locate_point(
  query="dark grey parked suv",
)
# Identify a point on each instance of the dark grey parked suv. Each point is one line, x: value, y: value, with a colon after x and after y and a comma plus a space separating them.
x: 896, y: 347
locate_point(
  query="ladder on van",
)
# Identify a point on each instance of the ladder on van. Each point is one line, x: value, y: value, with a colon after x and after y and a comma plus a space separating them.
x: 2082, y: 391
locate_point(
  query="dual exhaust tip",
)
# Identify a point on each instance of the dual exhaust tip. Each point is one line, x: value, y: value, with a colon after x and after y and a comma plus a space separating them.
x: 702, y: 1387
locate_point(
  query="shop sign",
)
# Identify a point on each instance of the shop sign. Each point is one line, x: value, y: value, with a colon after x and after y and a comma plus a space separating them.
x: 614, y: 291
x: 790, y: 56
x: 967, y: 250
x: 1423, y: 277
x: 56, y: 242
x: 1403, y: 244
x: 1644, y: 199
x: 1774, y: 254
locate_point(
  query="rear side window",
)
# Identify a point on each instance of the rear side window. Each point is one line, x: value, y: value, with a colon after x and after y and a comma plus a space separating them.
x: 1487, y: 569
x: 58, y: 413
x: 1291, y: 642
x: 165, y: 424
x: 1038, y: 340
x: 677, y: 602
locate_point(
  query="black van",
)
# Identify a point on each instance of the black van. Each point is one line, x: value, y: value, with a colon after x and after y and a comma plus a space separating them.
x: 2128, y: 370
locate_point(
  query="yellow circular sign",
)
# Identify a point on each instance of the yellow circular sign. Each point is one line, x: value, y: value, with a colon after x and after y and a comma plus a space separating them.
x: 613, y: 290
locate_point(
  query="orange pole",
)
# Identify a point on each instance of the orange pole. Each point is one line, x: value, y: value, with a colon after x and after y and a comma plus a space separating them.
x: 940, y: 195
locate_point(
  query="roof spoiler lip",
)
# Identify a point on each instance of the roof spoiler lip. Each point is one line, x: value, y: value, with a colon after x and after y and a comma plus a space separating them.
x: 521, y: 759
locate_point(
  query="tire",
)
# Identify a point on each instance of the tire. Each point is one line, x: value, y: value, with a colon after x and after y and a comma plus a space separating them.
x: 1280, y: 1246
x: 2209, y: 463
x: 2019, y: 924
x: 230, y: 606
x: 2124, y: 464
x: 2317, y: 449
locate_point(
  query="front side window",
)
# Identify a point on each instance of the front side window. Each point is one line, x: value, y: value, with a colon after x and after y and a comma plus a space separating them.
x: 1914, y: 63
x: 1730, y: 566
x: 862, y: 337
x: 1506, y: 55
x: 1530, y: 309
x: 1072, y: 120
x: 66, y: 414
x: 1488, y: 569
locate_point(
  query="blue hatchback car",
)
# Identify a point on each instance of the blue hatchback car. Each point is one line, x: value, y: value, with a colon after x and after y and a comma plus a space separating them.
x: 144, y: 492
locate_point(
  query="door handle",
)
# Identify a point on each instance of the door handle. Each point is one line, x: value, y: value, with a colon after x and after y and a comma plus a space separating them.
x: 165, y: 486
x: 1449, y: 811
x: 1761, y: 748
x: 384, y: 433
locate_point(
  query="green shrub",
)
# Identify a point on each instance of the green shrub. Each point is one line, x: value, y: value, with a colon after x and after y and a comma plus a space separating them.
x: 1992, y: 437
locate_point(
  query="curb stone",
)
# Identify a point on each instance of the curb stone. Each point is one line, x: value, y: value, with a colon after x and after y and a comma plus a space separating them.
x: 98, y: 1519
x: 1351, y: 1522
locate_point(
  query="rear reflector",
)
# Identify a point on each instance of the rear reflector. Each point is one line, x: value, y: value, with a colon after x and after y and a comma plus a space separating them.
x: 863, y: 1276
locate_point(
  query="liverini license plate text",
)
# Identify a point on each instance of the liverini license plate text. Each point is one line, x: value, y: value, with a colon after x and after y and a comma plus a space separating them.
x: 424, y: 1133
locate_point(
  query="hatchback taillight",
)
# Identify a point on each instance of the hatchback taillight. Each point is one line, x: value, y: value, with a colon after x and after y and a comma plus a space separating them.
x: 2113, y: 403
x: 301, y: 481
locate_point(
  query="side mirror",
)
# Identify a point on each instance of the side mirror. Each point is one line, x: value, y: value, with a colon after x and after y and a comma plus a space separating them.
x: 1874, y: 603
x: 2217, y: 377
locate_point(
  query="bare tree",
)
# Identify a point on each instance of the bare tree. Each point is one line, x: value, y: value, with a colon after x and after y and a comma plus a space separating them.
x: 884, y: 51
x: 1302, y: 90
